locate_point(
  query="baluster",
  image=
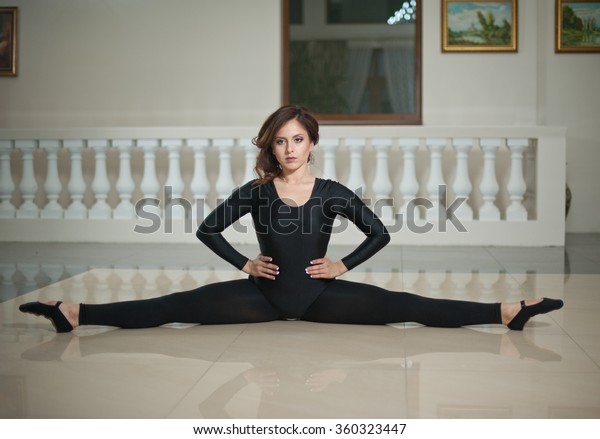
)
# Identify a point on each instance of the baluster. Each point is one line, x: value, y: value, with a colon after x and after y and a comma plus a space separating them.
x: 225, y: 183
x: 435, y: 185
x: 7, y: 210
x: 52, y: 185
x: 409, y: 185
x: 529, y: 202
x: 174, y: 182
x: 489, y: 185
x: 28, y: 184
x: 76, y: 186
x: 382, y: 185
x: 462, y: 184
x: 125, y: 184
x: 329, y: 147
x: 199, y: 184
x: 149, y: 184
x: 356, y: 182
x: 100, y: 183
x: 249, y: 158
x: 516, y: 183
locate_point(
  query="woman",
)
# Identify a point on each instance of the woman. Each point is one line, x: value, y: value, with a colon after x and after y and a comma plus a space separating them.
x: 292, y: 278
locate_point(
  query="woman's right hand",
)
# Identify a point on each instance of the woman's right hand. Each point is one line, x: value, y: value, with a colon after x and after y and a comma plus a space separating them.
x: 261, y: 267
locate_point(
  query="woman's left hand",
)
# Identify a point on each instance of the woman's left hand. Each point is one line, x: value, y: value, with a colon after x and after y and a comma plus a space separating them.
x: 324, y: 268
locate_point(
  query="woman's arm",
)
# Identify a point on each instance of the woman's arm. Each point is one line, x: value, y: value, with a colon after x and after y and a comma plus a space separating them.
x: 348, y: 204
x: 365, y: 219
x: 224, y: 215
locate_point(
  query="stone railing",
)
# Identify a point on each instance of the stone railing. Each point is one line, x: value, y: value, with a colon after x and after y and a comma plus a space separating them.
x: 430, y: 185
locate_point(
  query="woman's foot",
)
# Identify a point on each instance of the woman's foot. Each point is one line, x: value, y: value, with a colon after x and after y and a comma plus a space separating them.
x: 515, y: 315
x: 64, y: 317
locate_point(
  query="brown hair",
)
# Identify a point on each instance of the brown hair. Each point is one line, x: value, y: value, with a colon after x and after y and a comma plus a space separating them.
x: 267, y: 166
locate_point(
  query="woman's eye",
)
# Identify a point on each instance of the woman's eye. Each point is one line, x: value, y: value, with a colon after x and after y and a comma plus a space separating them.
x: 279, y: 142
x: 298, y: 139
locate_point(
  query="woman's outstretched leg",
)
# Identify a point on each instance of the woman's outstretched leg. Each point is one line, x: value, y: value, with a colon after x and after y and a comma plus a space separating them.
x: 237, y: 301
x: 357, y: 303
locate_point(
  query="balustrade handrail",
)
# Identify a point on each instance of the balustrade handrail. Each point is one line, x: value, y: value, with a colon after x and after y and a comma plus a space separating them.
x: 341, y: 131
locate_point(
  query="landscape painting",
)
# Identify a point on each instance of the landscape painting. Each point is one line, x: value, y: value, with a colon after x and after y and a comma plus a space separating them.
x: 482, y: 26
x: 577, y: 26
x: 8, y: 41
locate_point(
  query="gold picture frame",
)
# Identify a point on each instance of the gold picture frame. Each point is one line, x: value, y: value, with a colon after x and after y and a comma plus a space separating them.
x: 8, y: 41
x: 577, y: 26
x: 480, y: 26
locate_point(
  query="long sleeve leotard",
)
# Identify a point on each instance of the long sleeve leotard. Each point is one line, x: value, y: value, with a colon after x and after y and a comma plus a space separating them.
x: 292, y: 236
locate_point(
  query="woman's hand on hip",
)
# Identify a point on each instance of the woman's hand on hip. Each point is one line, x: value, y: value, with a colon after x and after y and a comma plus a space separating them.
x: 324, y: 268
x: 261, y: 267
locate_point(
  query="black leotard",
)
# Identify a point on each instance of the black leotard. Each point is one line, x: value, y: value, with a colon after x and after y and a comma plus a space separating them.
x: 292, y: 236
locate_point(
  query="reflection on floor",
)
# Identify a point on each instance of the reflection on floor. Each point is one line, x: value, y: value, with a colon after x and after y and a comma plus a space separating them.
x: 305, y: 370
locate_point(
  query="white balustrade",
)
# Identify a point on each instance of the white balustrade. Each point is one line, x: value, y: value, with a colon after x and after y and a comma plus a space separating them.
x: 489, y: 184
x: 76, y: 186
x: 462, y: 186
x: 516, y: 186
x: 149, y: 185
x: 174, y: 208
x: 7, y: 209
x: 250, y: 153
x: 382, y: 185
x: 225, y: 183
x: 529, y: 201
x: 435, y: 183
x: 356, y: 182
x: 100, y: 184
x: 52, y: 185
x: 409, y: 186
x: 495, y: 206
x: 125, y: 184
x: 329, y: 147
x: 28, y: 184
x: 199, y: 184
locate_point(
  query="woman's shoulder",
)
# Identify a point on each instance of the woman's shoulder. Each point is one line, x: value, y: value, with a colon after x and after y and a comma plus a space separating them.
x: 253, y: 189
x: 332, y: 188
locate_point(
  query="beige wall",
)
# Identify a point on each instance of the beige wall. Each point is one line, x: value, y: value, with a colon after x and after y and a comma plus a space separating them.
x: 143, y: 63
x: 89, y: 63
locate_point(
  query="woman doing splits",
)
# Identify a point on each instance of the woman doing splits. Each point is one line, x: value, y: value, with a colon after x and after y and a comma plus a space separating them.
x: 292, y: 278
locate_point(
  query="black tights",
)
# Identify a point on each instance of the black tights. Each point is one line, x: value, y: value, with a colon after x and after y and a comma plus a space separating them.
x: 240, y: 301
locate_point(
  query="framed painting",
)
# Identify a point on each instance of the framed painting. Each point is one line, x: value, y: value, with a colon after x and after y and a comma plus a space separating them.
x: 8, y: 41
x: 577, y: 26
x: 481, y: 26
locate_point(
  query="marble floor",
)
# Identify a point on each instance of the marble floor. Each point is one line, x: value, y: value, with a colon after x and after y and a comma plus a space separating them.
x: 295, y: 369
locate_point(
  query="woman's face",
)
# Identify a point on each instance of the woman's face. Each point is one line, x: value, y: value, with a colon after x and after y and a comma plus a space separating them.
x: 292, y: 146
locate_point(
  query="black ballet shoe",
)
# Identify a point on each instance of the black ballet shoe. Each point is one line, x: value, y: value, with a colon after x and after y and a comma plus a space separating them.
x: 527, y: 312
x: 51, y: 312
